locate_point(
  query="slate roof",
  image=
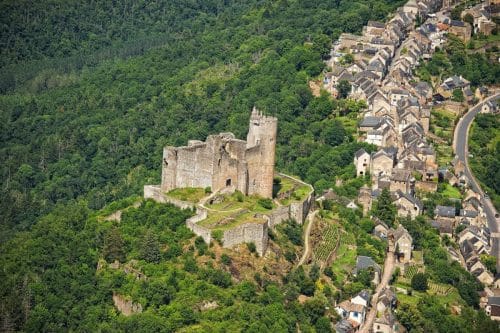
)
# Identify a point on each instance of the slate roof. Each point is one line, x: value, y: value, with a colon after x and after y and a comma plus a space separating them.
x: 457, y: 23
x: 376, y: 24
x: 445, y: 211
x: 360, y: 153
x: 344, y: 326
x: 370, y: 121
x: 364, y: 262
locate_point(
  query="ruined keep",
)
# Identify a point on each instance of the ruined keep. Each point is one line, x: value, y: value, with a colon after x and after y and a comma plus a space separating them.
x: 224, y: 161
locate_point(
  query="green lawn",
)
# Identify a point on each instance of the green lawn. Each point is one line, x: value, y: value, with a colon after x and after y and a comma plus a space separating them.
x: 300, y: 191
x: 452, y: 192
x: 191, y: 194
x: 235, y: 209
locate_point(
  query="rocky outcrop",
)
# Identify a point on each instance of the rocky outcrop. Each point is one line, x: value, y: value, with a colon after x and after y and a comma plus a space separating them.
x: 126, y: 306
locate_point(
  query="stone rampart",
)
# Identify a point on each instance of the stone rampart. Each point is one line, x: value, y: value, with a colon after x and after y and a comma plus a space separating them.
x: 279, y: 215
x: 256, y: 233
x: 247, y: 233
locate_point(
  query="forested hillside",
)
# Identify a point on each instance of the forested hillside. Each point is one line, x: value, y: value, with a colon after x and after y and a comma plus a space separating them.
x: 97, y: 134
x: 92, y: 92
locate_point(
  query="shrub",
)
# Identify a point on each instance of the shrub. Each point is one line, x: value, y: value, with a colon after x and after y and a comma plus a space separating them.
x: 218, y: 235
x: 251, y: 247
x: 225, y: 259
x: 419, y: 282
x: 266, y: 203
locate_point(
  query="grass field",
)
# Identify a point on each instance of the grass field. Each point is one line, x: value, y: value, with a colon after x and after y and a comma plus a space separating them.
x: 451, y: 192
x: 191, y: 194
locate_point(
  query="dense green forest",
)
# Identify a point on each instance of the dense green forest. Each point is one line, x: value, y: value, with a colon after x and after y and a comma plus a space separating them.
x: 484, y: 145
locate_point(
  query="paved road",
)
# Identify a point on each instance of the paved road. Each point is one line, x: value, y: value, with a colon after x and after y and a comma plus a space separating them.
x: 384, y: 282
x: 307, y: 246
x: 460, y: 145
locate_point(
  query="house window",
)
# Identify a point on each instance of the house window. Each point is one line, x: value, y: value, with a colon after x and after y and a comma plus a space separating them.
x: 355, y: 314
x: 228, y: 182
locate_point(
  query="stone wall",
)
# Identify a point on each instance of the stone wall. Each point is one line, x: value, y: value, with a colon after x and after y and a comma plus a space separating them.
x: 279, y: 215
x: 426, y: 186
x: 248, y: 233
x: 256, y: 233
x: 191, y: 223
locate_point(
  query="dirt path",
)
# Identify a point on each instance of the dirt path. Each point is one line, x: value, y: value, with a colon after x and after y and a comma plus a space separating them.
x: 307, y: 246
x: 384, y: 282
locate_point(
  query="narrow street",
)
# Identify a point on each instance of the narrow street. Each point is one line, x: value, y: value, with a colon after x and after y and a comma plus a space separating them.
x: 384, y: 282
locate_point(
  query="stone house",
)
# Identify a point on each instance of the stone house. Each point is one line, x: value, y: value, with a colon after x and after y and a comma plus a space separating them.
x: 382, y: 162
x: 370, y: 123
x: 344, y: 326
x: 403, y: 244
x: 364, y: 262
x: 386, y: 300
x: 490, y: 106
x: 396, y: 95
x: 383, y: 135
x: 362, y: 162
x: 492, y: 309
x: 445, y: 227
x: 400, y: 181
x: 374, y: 28
x: 352, y: 312
x: 386, y: 323
x: 365, y: 199
x: 381, y: 230
x: 448, y: 212
x: 407, y: 205
x: 462, y: 30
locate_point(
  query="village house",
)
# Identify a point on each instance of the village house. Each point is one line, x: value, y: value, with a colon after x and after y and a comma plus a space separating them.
x: 382, y: 162
x: 490, y: 106
x: 400, y: 181
x: 381, y: 230
x: 363, y: 263
x: 403, y: 244
x: 355, y: 313
x: 444, y: 227
x: 407, y: 205
x: 462, y: 30
x: 365, y: 199
x: 362, y: 162
x: 344, y: 326
x: 383, y: 135
x: 493, y: 307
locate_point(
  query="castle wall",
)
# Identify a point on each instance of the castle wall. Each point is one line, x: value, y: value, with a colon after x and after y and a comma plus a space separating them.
x: 246, y: 233
x: 279, y: 215
x: 191, y: 223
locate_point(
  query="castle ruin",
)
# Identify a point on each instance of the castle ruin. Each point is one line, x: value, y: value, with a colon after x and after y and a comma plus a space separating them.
x: 223, y: 161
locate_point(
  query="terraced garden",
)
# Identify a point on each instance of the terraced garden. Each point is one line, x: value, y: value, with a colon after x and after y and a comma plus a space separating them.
x: 345, y: 258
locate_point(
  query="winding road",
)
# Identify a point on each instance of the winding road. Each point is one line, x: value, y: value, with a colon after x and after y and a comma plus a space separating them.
x: 460, y: 146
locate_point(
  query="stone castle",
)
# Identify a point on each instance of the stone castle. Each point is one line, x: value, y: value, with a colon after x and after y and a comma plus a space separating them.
x: 223, y: 161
